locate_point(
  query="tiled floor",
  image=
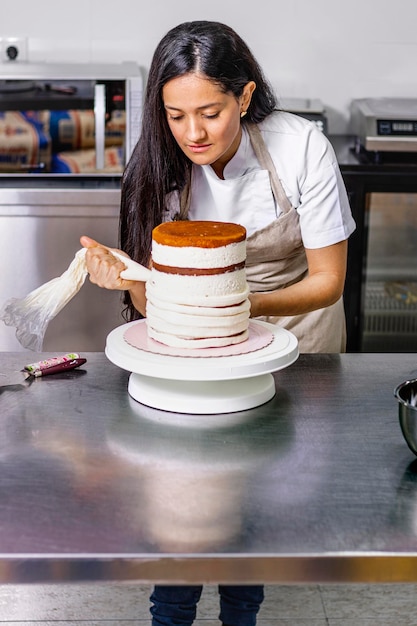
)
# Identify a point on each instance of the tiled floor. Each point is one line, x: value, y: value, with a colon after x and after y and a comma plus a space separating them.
x: 128, y: 605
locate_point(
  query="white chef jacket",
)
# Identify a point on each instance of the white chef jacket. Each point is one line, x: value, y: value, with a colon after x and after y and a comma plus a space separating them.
x: 309, y: 173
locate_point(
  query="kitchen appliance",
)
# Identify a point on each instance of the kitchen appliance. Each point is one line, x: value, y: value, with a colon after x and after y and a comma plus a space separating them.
x: 68, y: 118
x: 385, y: 124
x: 66, y: 132
x: 379, y: 167
x: 309, y: 108
x: 390, y: 276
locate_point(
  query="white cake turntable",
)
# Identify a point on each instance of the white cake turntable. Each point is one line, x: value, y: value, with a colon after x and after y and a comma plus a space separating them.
x: 227, y: 380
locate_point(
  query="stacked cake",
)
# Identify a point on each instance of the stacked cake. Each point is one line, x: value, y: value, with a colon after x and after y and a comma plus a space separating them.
x: 197, y: 295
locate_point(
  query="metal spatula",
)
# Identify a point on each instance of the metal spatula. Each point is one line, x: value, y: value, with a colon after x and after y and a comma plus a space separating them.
x: 14, y: 378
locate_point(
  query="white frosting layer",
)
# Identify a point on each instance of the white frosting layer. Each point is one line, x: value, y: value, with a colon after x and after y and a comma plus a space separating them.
x: 196, y: 332
x: 209, y: 342
x: 200, y: 258
x: 219, y: 309
x: 189, y: 299
x: 176, y: 287
x: 185, y: 325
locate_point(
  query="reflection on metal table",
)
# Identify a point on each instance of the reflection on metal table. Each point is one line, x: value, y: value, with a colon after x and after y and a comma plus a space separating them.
x: 316, y: 485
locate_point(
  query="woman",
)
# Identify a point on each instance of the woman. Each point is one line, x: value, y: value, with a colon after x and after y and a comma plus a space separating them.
x: 214, y: 146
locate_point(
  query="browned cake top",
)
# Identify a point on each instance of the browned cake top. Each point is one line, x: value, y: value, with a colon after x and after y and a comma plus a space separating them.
x: 198, y: 234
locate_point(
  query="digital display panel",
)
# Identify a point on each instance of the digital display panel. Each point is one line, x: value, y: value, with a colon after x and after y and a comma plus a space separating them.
x: 397, y: 127
x: 403, y: 127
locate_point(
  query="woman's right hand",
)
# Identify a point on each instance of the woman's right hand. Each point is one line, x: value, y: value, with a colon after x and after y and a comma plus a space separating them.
x: 103, y: 267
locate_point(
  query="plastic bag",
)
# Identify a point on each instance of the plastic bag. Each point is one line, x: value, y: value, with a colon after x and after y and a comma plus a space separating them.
x: 31, y: 315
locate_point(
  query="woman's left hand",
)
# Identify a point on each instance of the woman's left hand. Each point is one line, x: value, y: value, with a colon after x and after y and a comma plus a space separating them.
x: 322, y: 286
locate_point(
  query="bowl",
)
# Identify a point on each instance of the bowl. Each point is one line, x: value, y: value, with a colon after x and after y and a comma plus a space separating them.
x: 406, y: 394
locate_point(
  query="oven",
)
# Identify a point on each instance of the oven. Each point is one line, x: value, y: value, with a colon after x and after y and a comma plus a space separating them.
x: 68, y: 118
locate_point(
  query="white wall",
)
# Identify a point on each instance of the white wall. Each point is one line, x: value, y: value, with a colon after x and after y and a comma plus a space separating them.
x: 326, y: 49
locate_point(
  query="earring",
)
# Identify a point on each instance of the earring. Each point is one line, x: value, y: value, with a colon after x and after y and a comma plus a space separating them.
x: 243, y: 113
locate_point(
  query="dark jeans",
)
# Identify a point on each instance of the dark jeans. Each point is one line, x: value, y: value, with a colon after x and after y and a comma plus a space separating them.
x: 177, y: 605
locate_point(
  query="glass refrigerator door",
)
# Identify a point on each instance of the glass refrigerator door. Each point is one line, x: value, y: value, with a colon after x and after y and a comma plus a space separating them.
x: 390, y: 285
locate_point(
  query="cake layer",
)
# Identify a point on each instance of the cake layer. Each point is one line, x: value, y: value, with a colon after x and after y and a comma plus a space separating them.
x: 216, y: 310
x: 198, y: 234
x: 190, y: 299
x: 176, y: 287
x: 200, y: 258
x: 196, y: 332
x: 208, y: 342
x: 182, y: 323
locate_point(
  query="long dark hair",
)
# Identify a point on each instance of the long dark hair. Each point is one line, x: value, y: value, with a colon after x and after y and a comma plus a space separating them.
x: 158, y: 166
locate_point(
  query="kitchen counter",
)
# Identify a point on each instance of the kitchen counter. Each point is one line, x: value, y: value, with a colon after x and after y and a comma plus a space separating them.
x: 317, y: 485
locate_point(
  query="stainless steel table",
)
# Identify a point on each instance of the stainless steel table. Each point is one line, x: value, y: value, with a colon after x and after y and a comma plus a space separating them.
x: 317, y: 485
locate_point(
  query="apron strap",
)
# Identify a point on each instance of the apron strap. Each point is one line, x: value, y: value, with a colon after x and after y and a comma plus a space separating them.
x: 265, y: 160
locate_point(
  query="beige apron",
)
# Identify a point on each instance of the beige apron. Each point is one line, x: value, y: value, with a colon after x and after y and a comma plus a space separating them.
x: 276, y: 258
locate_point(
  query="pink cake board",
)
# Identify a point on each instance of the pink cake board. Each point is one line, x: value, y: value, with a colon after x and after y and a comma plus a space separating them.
x: 137, y: 336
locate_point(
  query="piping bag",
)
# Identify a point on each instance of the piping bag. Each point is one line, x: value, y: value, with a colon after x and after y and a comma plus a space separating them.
x: 32, y: 314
